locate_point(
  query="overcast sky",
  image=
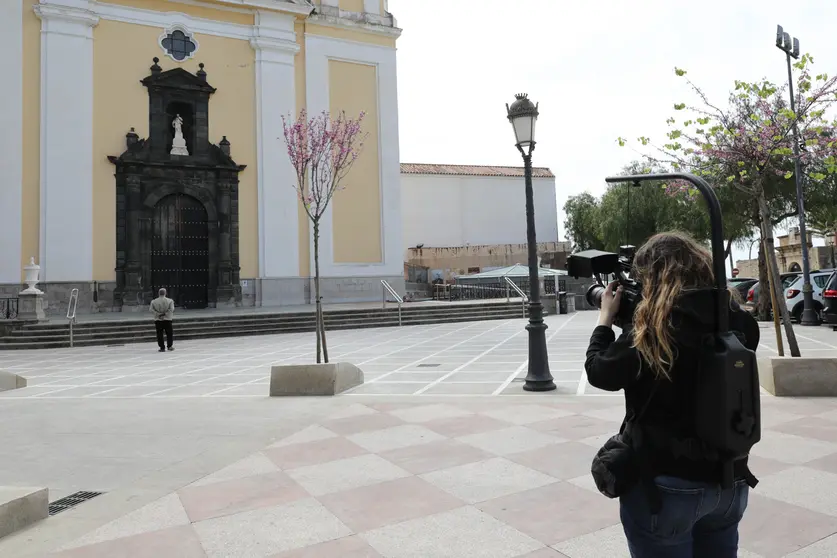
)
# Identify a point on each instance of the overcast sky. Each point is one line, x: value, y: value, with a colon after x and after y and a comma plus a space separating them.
x: 598, y: 69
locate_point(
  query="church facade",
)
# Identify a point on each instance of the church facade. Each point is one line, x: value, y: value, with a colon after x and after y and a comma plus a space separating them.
x: 141, y: 147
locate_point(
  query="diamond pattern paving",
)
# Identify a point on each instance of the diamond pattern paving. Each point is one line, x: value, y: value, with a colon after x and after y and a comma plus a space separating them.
x: 463, y: 478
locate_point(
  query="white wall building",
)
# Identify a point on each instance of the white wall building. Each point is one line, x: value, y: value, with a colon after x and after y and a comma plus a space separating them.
x: 446, y: 206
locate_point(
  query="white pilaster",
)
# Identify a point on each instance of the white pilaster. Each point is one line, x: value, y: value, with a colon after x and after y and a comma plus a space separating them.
x: 372, y: 7
x: 275, y: 44
x: 318, y: 51
x: 66, y: 239
x: 11, y: 136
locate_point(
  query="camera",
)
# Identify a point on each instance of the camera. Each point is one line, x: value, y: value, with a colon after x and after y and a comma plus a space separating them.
x: 605, y: 267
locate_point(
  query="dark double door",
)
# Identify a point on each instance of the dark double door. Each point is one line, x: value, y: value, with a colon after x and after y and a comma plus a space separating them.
x: 180, y: 250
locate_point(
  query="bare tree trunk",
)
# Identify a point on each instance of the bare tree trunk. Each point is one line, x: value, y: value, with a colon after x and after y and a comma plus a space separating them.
x: 729, y: 255
x: 318, y: 316
x: 776, y: 286
x: 323, y: 334
x: 764, y: 303
x: 321, y: 337
x: 776, y: 325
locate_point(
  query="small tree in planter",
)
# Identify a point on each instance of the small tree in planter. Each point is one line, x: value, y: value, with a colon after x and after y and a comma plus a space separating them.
x: 322, y: 150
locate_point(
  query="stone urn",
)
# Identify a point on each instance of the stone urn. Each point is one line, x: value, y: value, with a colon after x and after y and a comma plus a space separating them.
x: 32, y: 271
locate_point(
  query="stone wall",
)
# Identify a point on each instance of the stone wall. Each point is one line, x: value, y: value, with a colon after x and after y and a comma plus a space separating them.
x: 463, y: 260
x: 93, y: 297
x: 297, y: 291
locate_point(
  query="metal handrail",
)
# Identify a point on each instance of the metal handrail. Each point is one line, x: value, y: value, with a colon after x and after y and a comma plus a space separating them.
x: 513, y: 285
x: 398, y: 299
x: 71, y: 312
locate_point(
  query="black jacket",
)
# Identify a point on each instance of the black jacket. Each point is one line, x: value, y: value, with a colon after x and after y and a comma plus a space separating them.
x: 613, y: 364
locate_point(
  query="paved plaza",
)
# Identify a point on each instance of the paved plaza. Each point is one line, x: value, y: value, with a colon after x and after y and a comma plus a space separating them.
x: 460, y: 359
x: 450, y: 459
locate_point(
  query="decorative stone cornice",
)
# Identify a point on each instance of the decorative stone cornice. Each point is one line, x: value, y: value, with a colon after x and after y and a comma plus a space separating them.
x: 302, y: 7
x: 274, y: 37
x: 273, y: 45
x: 67, y: 14
x: 355, y: 21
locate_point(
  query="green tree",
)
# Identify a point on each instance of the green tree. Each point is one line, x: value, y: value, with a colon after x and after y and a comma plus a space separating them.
x: 821, y: 208
x: 749, y: 146
x: 583, y: 222
x: 627, y: 214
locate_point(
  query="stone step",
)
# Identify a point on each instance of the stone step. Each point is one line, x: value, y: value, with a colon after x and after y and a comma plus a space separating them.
x: 298, y: 316
x: 182, y: 325
x: 21, y: 507
x: 148, y: 335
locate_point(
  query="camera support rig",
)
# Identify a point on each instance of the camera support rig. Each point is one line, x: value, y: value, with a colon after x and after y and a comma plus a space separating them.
x: 717, y: 229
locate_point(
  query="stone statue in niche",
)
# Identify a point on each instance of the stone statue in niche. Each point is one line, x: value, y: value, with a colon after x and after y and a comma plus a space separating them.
x: 178, y: 145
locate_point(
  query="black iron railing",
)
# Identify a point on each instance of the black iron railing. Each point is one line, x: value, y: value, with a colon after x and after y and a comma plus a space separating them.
x: 8, y: 308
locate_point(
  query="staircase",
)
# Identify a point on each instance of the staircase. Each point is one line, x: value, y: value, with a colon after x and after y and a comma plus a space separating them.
x: 120, y: 332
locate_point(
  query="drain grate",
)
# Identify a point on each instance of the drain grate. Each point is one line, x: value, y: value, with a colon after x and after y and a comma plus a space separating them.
x: 71, y: 501
x: 429, y: 365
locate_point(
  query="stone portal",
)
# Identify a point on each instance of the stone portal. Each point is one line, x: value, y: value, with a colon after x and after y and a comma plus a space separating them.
x: 177, y: 215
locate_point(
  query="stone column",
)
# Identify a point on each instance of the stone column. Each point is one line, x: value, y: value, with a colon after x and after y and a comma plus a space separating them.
x: 225, y: 290
x: 11, y: 132
x: 66, y: 235
x: 275, y: 46
x: 133, y: 266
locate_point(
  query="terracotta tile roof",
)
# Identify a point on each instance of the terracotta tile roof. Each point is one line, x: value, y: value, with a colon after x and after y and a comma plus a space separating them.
x: 472, y: 170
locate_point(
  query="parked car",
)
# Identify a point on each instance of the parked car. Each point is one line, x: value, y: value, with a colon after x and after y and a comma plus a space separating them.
x: 829, y: 300
x: 742, y: 285
x: 751, y: 299
x: 793, y: 293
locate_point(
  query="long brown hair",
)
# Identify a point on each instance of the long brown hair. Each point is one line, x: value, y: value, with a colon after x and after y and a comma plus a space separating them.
x: 667, y: 265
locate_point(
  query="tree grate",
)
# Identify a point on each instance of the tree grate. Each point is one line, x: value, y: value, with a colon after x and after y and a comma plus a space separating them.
x: 429, y: 365
x: 71, y: 501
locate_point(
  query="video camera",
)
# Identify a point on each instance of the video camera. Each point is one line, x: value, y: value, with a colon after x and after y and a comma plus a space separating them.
x: 603, y: 266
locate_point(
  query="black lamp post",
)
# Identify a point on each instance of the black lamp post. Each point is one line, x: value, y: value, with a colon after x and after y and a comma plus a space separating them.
x: 809, y: 315
x: 523, y: 115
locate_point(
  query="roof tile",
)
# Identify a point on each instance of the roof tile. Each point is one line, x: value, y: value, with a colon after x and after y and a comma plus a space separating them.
x: 473, y: 170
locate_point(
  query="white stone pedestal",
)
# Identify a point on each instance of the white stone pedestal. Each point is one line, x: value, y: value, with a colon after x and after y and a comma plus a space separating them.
x: 31, y: 307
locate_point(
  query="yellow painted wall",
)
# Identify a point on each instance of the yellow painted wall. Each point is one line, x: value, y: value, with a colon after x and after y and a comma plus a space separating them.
x: 304, y: 238
x: 205, y: 12
x: 352, y: 5
x: 120, y: 102
x: 31, y: 208
x: 356, y: 210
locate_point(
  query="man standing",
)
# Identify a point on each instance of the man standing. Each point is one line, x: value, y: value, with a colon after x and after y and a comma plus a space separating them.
x: 163, y: 309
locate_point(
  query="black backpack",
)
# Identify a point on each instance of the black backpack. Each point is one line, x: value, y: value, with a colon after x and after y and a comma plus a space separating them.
x: 728, y: 399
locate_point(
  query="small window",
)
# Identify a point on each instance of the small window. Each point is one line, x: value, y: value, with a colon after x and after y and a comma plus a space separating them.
x: 179, y: 45
x: 820, y: 280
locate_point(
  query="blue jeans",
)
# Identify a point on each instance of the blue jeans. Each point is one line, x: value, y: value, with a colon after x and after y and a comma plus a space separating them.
x: 697, y: 520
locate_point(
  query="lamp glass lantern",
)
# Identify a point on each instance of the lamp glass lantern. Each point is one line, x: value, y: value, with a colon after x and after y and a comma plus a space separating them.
x: 523, y: 115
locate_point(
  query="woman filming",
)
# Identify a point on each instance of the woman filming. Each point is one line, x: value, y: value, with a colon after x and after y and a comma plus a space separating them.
x: 678, y: 508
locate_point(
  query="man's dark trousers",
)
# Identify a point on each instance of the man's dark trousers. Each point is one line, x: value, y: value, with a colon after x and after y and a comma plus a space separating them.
x: 164, y: 325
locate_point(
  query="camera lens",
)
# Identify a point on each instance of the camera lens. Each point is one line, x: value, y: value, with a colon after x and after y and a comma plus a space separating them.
x: 594, y: 295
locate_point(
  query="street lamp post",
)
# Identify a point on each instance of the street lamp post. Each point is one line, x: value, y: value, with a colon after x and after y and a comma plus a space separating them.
x: 809, y: 315
x: 523, y: 115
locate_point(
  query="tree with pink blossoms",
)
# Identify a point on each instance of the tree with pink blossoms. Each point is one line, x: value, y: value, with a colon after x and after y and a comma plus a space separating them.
x: 322, y: 150
x: 747, y: 151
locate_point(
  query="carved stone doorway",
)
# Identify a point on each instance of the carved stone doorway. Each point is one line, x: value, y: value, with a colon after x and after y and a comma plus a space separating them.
x: 180, y: 250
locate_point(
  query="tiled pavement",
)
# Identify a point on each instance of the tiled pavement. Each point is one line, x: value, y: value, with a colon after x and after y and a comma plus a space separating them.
x: 462, y: 477
x: 421, y: 461
x: 461, y: 359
